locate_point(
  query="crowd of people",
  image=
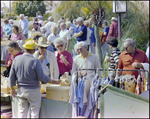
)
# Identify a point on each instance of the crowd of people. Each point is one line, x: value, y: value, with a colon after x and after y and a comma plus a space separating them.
x: 46, y: 57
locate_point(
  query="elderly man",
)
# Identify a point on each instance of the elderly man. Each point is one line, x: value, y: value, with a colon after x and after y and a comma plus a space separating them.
x: 65, y: 34
x: 81, y: 31
x: 44, y: 32
x: 24, y: 25
x: 50, y: 24
x: 27, y: 72
x: 40, y: 20
x: 85, y: 60
x: 72, y: 28
x: 131, y: 58
x: 47, y: 59
x: 113, y: 31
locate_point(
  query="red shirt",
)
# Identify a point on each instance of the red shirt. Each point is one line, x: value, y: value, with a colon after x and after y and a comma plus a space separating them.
x: 12, y: 57
x: 113, y: 31
x: 61, y: 65
x: 126, y: 60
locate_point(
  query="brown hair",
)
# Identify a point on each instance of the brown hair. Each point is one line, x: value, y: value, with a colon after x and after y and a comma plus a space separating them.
x: 6, y: 21
x: 16, y: 27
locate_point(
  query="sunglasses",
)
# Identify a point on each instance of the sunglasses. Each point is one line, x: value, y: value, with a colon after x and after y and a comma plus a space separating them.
x: 59, y: 45
x: 43, y: 47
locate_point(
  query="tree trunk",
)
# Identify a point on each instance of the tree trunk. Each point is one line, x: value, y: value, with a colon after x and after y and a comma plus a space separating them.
x: 98, y: 46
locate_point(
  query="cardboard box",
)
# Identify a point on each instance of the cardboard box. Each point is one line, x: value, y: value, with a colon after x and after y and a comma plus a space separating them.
x: 57, y: 92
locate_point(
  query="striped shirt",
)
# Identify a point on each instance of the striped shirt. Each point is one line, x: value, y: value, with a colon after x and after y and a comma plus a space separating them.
x: 114, y: 58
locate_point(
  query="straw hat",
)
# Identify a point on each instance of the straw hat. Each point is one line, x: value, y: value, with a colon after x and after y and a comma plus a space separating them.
x: 43, y: 42
x: 36, y: 33
x: 30, y: 44
x: 114, y: 18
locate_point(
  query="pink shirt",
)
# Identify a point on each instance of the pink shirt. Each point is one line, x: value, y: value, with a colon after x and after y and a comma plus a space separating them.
x: 12, y: 58
x: 61, y: 65
x: 18, y: 37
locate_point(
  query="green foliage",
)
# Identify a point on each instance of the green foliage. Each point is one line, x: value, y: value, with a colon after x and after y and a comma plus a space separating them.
x: 2, y: 15
x: 10, y: 16
x: 45, y: 16
x: 30, y: 18
x: 30, y: 27
x: 29, y: 8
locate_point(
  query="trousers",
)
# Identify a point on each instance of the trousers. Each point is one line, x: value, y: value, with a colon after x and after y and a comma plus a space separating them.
x: 29, y: 99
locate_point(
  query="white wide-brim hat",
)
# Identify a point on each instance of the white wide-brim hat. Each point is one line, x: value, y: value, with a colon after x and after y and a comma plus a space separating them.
x: 42, y: 42
x: 114, y: 18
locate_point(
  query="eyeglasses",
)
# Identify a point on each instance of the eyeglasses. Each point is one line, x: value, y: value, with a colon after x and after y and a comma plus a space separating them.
x: 43, y: 47
x: 59, y: 45
x: 79, y: 49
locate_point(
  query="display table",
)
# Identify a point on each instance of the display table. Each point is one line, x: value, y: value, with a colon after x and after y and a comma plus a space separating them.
x: 49, y: 108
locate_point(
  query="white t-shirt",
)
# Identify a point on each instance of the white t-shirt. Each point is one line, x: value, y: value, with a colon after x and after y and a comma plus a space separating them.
x: 88, y: 36
x: 52, y: 37
x: 49, y: 25
x: 65, y: 34
x: 41, y: 22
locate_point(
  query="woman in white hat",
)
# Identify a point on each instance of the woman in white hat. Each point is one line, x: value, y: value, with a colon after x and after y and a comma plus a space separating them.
x: 47, y: 59
x: 40, y: 20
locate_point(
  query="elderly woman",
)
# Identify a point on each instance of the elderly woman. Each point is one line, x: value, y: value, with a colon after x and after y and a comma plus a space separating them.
x: 11, y: 22
x: 47, y: 59
x: 7, y: 28
x: 53, y: 36
x: 44, y: 32
x: 86, y: 23
x: 14, y: 50
x: 68, y: 24
x: 16, y: 35
x: 64, y: 58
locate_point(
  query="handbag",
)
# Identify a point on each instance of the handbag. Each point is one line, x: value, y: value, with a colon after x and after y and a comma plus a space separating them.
x: 7, y: 70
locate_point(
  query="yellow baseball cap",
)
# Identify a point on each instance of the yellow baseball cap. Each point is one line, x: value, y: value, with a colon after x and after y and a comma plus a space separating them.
x: 30, y: 44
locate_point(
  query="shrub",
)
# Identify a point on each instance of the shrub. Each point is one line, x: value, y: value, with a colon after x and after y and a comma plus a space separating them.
x: 45, y: 16
x: 30, y: 26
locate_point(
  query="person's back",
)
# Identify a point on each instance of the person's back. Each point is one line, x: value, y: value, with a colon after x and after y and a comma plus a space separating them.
x: 27, y: 68
x: 49, y: 25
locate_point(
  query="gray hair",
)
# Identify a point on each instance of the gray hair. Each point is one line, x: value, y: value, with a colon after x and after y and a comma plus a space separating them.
x: 68, y: 24
x: 21, y: 15
x: 68, y: 19
x: 13, y: 45
x: 130, y: 41
x: 105, y: 22
x: 63, y: 24
x: 54, y: 27
x: 42, y: 29
x: 79, y: 19
x: 83, y: 44
x: 50, y: 18
x: 11, y: 21
x: 60, y: 21
x: 59, y: 40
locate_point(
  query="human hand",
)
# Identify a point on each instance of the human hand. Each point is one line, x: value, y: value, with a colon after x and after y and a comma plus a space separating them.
x: 13, y: 92
x: 9, y: 63
x: 56, y: 81
x: 137, y: 65
x: 41, y: 57
x: 62, y: 57
x: 75, y: 35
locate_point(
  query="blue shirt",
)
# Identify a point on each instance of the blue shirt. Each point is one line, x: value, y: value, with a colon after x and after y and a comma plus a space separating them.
x: 83, y: 37
x: 50, y: 48
x: 106, y: 29
x: 24, y: 25
x: 93, y: 39
x: 72, y: 28
x: 8, y: 29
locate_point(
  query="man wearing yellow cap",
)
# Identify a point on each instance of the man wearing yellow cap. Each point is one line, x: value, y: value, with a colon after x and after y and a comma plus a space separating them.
x: 27, y: 72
